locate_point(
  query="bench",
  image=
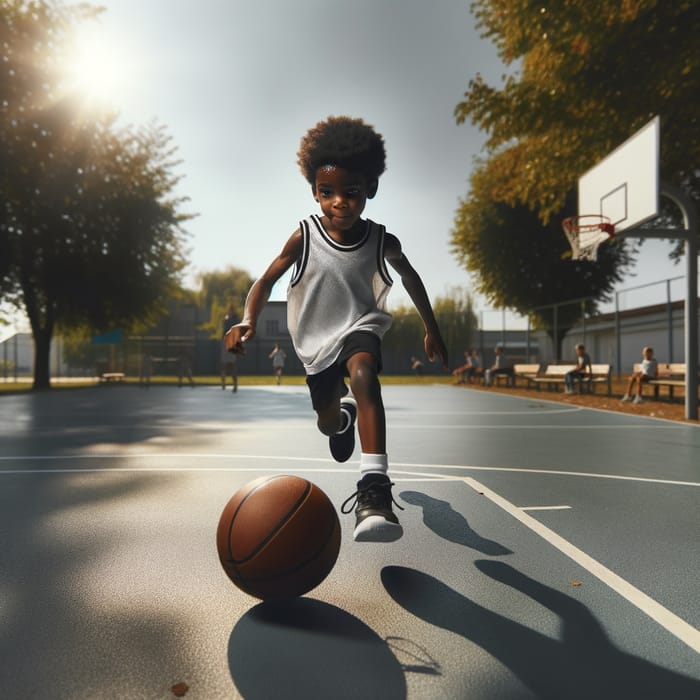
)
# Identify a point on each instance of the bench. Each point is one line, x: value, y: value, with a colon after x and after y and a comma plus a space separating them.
x: 554, y: 375
x: 112, y: 377
x: 525, y: 372
x: 669, y: 374
x: 517, y: 370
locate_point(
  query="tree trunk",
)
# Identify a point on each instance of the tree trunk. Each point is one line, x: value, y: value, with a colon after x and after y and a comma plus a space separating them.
x: 42, y: 354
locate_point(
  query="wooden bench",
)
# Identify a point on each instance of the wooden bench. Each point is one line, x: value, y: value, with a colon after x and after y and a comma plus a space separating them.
x: 507, y: 378
x: 112, y: 377
x: 552, y: 377
x: 525, y: 372
x: 669, y: 374
x: 555, y: 375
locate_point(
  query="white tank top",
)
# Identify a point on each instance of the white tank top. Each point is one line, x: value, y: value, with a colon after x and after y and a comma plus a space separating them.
x: 336, y: 290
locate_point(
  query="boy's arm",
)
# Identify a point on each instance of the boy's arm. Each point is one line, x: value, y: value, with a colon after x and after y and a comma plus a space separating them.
x: 434, y: 344
x: 260, y: 292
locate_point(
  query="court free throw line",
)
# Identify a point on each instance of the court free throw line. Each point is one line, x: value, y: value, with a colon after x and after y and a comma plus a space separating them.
x: 678, y: 627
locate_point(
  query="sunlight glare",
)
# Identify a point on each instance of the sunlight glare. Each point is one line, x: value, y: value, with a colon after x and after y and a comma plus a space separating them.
x: 96, y: 69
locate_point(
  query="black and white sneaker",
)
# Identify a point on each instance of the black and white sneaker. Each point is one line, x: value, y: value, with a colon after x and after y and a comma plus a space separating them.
x: 342, y: 444
x: 375, y: 521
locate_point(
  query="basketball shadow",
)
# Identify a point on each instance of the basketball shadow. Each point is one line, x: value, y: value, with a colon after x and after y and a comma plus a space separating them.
x: 452, y: 526
x: 308, y: 649
x: 582, y: 663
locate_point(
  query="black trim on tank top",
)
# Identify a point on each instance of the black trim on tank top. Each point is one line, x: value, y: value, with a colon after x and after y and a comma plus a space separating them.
x: 381, y: 262
x: 300, y: 264
x: 334, y: 244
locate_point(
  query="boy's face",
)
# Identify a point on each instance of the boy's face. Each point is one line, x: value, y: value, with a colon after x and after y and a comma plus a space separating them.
x: 342, y: 195
x: 648, y: 353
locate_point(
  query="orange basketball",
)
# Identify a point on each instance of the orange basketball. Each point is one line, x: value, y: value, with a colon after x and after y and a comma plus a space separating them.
x: 278, y: 537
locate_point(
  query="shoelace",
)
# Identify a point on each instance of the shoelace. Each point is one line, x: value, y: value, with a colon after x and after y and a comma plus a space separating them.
x: 371, y: 493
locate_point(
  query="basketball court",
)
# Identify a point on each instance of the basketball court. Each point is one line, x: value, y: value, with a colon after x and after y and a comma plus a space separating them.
x: 549, y: 550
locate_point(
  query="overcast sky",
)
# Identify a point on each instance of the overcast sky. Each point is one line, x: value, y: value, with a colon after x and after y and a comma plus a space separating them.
x: 237, y: 84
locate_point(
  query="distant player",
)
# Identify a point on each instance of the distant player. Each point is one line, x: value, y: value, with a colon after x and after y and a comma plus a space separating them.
x: 336, y: 307
x: 278, y: 357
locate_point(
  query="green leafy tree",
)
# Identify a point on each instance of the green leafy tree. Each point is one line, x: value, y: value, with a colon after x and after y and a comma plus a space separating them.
x: 90, y: 230
x: 404, y: 338
x: 457, y: 320
x: 219, y: 291
x: 584, y: 77
x: 519, y: 263
x: 589, y: 74
x: 455, y: 316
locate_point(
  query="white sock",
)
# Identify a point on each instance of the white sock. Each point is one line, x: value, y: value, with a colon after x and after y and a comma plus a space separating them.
x: 373, y: 464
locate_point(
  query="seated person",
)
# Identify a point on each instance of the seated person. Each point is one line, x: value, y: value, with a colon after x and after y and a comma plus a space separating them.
x: 648, y: 371
x: 499, y: 366
x: 583, y: 368
x: 463, y: 372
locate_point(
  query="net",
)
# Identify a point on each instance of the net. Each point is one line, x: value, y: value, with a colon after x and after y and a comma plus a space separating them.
x: 585, y: 234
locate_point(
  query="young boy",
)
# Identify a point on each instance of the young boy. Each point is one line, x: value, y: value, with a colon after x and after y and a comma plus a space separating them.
x: 583, y: 368
x: 647, y: 372
x: 336, y: 308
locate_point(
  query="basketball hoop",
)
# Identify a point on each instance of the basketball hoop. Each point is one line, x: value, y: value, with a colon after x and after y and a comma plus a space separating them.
x: 585, y: 233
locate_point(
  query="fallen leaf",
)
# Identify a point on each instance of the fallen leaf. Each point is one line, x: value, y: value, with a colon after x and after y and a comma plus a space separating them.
x: 575, y: 583
x: 180, y: 689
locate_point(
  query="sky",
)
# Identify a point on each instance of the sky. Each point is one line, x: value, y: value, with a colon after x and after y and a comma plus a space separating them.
x: 237, y: 84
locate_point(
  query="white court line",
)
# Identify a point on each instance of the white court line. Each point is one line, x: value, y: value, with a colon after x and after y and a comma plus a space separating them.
x: 281, y: 458
x: 524, y: 411
x: 545, y: 507
x: 554, y: 472
x: 678, y: 627
x: 549, y: 428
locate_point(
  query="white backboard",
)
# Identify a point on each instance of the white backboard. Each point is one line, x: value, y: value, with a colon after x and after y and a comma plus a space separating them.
x: 624, y: 186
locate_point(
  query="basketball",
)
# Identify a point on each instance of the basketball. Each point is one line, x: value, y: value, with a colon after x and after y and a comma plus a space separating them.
x: 278, y: 537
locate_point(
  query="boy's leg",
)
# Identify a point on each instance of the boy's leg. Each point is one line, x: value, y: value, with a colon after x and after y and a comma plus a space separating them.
x: 333, y: 419
x: 375, y: 519
x: 371, y: 421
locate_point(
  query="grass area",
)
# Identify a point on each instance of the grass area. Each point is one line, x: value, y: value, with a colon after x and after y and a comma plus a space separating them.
x: 664, y: 408
x: 25, y: 384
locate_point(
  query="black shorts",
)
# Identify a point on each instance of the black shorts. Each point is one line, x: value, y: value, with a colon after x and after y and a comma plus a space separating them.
x: 328, y: 386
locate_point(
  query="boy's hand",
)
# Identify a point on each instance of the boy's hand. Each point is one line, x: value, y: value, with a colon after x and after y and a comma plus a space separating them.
x: 236, y: 336
x: 434, y: 345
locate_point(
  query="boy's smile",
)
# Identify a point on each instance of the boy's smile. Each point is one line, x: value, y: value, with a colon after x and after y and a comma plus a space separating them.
x: 342, y: 195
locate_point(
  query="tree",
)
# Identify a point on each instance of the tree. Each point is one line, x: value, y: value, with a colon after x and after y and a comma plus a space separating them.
x: 521, y: 264
x: 590, y: 74
x: 457, y: 320
x: 455, y: 316
x: 218, y: 291
x: 91, y: 227
x: 586, y: 75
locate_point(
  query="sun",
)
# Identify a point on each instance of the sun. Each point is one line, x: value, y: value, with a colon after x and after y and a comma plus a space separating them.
x: 95, y: 70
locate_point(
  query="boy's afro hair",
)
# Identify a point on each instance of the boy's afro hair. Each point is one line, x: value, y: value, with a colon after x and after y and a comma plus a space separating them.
x: 343, y: 141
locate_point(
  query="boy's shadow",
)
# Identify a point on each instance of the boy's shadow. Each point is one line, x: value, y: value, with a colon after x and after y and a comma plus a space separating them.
x: 304, y: 648
x: 583, y: 663
x: 452, y: 526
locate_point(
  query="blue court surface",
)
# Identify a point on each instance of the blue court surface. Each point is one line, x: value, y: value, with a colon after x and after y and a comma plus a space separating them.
x: 549, y: 551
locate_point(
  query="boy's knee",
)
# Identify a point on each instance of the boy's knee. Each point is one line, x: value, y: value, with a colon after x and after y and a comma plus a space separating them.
x: 364, y: 380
